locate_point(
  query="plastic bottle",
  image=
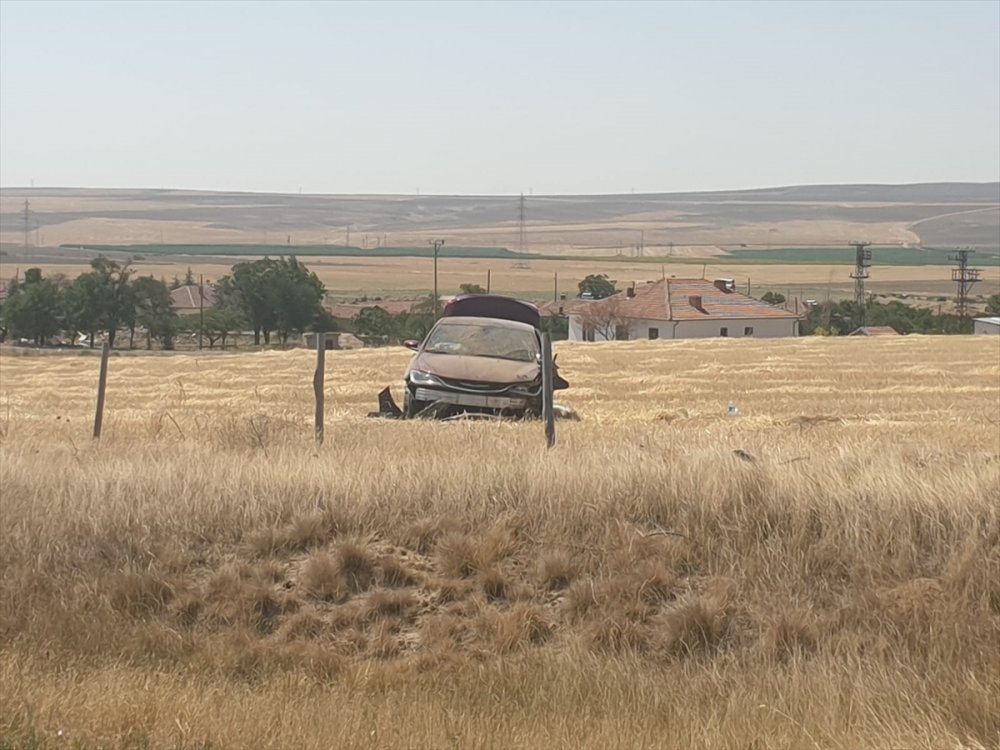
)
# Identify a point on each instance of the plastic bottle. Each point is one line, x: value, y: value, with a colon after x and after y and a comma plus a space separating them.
x: 732, y: 410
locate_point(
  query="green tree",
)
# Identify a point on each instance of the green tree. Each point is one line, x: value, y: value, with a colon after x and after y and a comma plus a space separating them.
x: 218, y: 325
x: 375, y: 323
x: 102, y: 299
x: 471, y: 289
x: 34, y: 309
x: 993, y: 304
x: 773, y: 298
x: 597, y: 286
x: 153, y: 311
x: 298, y: 295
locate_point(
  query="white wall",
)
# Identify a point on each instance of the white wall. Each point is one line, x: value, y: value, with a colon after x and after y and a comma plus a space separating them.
x: 986, y: 326
x: 763, y: 328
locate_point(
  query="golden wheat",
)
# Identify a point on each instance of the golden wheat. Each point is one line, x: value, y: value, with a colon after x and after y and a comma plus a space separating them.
x: 821, y: 571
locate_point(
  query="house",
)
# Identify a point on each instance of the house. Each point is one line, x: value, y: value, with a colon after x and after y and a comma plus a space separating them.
x: 188, y: 299
x: 678, y: 309
x: 874, y: 331
x: 986, y: 325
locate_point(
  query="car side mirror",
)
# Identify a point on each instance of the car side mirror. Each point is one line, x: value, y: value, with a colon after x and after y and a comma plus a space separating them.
x: 412, y: 344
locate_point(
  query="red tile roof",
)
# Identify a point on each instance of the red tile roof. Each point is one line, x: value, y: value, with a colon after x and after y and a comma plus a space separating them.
x: 874, y: 331
x: 684, y: 299
x: 187, y: 297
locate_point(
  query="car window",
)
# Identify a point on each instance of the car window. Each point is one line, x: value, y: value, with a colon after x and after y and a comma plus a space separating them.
x: 482, y: 341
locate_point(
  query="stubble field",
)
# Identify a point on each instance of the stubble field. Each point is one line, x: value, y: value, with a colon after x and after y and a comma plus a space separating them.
x: 207, y: 576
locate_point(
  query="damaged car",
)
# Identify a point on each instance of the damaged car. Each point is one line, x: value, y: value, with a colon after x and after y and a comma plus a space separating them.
x: 483, y: 356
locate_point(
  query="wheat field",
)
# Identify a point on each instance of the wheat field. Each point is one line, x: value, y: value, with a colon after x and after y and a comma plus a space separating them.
x: 821, y: 571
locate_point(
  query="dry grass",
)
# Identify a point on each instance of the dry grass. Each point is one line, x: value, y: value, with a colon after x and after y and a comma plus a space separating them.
x: 221, y: 581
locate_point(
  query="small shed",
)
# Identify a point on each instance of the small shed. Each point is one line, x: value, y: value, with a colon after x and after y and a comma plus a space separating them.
x: 874, y: 331
x: 987, y: 325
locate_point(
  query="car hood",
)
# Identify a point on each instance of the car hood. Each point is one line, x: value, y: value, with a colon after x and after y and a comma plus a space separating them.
x: 475, y: 369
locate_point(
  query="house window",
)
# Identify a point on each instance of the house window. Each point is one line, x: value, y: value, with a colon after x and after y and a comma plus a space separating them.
x: 654, y: 333
x: 621, y: 332
x: 748, y: 331
x: 588, y: 333
x: 723, y: 331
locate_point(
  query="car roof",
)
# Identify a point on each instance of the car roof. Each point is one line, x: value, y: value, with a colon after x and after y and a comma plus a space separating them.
x: 468, y: 320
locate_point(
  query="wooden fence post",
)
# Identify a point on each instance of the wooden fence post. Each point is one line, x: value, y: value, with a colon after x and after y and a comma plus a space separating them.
x: 318, y: 381
x: 102, y: 384
x: 548, y: 414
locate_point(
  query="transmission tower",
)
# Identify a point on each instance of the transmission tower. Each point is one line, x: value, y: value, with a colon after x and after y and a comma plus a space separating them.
x: 965, y: 277
x: 862, y: 262
x: 521, y: 241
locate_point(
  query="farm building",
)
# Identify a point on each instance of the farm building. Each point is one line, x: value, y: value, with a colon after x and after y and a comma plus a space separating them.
x: 874, y: 331
x: 678, y: 309
x: 187, y: 299
x: 986, y: 325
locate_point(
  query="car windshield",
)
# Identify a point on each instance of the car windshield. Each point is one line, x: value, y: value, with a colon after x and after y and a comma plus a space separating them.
x: 482, y: 341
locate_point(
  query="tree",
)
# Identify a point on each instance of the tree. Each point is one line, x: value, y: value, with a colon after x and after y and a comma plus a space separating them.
x: 34, y: 309
x: 153, y: 311
x: 993, y: 304
x: 375, y: 323
x: 596, y: 286
x: 219, y: 324
x: 604, y: 317
x: 102, y: 299
x: 298, y: 293
x: 274, y: 295
x: 471, y: 289
x: 773, y: 298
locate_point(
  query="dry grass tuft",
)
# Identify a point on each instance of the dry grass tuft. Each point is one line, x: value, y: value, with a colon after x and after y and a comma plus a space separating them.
x: 791, y: 633
x: 392, y: 572
x: 137, y: 593
x: 557, y: 569
x: 391, y: 605
x: 336, y: 577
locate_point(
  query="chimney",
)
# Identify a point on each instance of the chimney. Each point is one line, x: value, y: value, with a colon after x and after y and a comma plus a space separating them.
x: 630, y: 292
x: 725, y: 285
x: 562, y: 296
x: 695, y: 300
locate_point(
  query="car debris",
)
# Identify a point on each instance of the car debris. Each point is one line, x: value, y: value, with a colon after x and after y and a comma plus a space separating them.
x: 480, y: 360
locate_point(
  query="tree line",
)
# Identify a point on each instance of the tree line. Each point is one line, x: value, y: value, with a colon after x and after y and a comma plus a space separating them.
x: 268, y: 296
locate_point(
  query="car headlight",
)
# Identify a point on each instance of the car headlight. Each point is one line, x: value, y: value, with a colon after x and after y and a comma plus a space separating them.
x: 419, y: 377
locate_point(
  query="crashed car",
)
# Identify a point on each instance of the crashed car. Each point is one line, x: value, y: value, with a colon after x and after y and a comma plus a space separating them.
x: 482, y: 357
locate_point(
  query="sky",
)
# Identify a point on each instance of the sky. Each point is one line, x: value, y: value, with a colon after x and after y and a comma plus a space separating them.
x: 497, y: 98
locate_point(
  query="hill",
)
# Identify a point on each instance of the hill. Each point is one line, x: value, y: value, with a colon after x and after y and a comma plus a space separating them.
x: 653, y: 224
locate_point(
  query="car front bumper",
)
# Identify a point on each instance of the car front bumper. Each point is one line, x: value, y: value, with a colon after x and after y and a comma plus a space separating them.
x: 481, y: 401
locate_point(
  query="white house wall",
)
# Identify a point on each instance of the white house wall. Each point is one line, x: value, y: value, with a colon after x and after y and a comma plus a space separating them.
x: 763, y: 328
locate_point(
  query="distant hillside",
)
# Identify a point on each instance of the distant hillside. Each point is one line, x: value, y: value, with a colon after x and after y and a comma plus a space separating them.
x: 935, y: 214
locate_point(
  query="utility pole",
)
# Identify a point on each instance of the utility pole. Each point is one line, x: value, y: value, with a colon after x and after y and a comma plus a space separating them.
x: 201, y: 308
x: 965, y: 277
x: 862, y: 262
x: 27, y: 223
x: 437, y: 247
x: 521, y: 242
x: 555, y: 286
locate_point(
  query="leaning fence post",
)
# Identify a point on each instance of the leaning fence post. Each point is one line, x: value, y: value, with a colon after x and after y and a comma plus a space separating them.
x: 548, y: 413
x: 102, y: 384
x: 318, y: 378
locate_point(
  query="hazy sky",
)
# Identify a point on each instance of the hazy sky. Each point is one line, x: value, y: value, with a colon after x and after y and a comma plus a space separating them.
x: 478, y: 97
